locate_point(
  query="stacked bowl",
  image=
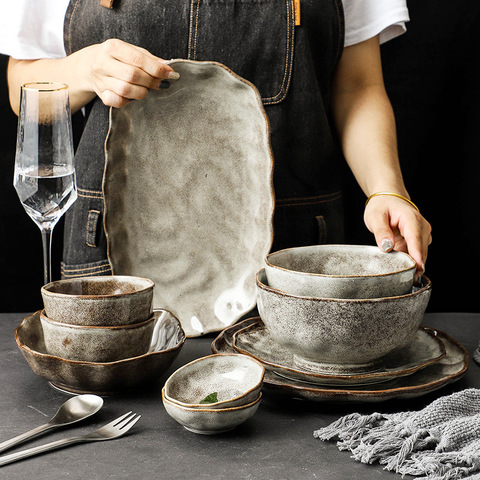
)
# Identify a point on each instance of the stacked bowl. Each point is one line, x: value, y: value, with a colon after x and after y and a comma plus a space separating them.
x: 98, y: 319
x: 100, y: 334
x: 340, y: 309
x: 214, y: 394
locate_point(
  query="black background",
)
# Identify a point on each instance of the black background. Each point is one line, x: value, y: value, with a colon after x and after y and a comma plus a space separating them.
x: 432, y: 78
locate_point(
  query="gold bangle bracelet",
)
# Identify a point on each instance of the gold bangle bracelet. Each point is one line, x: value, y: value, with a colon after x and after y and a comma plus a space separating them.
x: 392, y: 195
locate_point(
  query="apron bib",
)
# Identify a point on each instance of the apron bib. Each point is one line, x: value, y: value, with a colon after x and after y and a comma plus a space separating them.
x: 291, y: 66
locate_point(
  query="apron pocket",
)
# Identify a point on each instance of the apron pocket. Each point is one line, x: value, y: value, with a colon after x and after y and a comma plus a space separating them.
x: 308, y: 221
x: 255, y: 39
x: 86, y: 269
x: 85, y: 249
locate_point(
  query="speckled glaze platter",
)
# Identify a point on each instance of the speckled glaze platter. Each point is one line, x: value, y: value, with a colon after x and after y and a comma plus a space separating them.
x: 102, y: 378
x: 189, y: 173
x: 255, y: 341
x: 447, y: 370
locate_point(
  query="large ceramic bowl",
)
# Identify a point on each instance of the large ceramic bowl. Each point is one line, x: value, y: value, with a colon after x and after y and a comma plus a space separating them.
x: 340, y: 335
x: 96, y: 344
x: 340, y: 271
x: 233, y: 379
x: 103, y: 378
x: 103, y: 300
x: 209, y: 421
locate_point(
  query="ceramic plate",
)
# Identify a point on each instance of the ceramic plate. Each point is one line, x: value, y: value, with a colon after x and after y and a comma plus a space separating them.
x: 254, y: 340
x: 102, y: 378
x: 189, y: 173
x: 447, y: 370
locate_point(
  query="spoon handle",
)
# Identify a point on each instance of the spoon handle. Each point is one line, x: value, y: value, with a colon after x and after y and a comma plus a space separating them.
x: 25, y: 436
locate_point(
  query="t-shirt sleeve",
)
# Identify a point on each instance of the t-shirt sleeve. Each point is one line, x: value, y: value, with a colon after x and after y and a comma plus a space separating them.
x: 365, y: 19
x: 31, y: 29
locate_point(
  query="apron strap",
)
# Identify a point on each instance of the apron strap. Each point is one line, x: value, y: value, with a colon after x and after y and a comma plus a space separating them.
x: 106, y: 3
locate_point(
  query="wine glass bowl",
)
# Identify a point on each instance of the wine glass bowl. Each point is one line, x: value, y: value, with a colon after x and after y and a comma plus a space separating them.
x: 44, y: 175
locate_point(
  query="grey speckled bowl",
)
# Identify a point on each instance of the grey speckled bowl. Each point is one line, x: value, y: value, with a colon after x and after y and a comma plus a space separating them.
x: 96, y: 344
x: 340, y: 335
x: 104, y: 300
x: 209, y: 421
x: 340, y: 271
x: 236, y: 379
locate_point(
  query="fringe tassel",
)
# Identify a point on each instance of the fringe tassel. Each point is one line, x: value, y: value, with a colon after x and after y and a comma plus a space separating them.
x: 348, y: 425
x: 446, y: 466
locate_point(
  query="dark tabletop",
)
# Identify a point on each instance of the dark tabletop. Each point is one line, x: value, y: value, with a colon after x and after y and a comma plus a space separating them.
x: 277, y: 443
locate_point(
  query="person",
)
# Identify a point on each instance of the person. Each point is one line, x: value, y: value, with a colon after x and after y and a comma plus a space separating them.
x: 315, y: 63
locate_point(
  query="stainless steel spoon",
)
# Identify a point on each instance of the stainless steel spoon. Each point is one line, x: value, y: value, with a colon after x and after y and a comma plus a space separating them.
x: 73, y: 410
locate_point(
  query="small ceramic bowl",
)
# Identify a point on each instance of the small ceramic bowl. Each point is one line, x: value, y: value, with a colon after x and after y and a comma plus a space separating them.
x: 106, y: 301
x: 340, y: 271
x: 209, y: 421
x: 107, y: 378
x: 235, y: 379
x: 96, y: 344
x: 340, y: 335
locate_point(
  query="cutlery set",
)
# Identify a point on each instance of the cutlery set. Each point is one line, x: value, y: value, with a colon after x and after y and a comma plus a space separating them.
x: 72, y: 411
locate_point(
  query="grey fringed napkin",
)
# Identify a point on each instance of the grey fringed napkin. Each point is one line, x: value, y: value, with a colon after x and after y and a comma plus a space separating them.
x: 439, y: 442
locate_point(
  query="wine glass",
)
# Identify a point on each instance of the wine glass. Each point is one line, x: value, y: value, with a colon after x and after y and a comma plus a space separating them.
x: 44, y: 174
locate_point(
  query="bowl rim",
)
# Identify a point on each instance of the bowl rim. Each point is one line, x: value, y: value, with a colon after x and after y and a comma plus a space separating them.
x: 213, y: 410
x: 22, y: 346
x: 338, y: 246
x: 201, y: 359
x: 98, y: 328
x: 427, y: 285
x: 46, y: 289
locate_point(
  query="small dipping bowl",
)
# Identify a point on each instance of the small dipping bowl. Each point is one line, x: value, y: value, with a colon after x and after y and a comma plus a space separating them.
x: 341, y: 271
x: 94, y: 343
x: 103, y: 300
x: 210, y: 421
x: 235, y: 379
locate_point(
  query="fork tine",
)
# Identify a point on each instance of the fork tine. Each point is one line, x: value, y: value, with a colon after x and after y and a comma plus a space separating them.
x: 130, y: 423
x: 124, y: 421
x: 115, y: 422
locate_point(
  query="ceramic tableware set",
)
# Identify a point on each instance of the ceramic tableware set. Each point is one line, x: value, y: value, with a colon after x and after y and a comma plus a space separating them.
x: 100, y: 334
x: 344, y: 323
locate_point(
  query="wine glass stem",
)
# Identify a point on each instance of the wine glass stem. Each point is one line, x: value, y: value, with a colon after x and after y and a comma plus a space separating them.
x: 47, y: 254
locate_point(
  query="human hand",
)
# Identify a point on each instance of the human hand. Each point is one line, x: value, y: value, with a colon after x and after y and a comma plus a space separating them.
x: 119, y: 72
x: 397, y: 225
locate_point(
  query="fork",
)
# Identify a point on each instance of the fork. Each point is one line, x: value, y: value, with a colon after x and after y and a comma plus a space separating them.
x: 114, y: 429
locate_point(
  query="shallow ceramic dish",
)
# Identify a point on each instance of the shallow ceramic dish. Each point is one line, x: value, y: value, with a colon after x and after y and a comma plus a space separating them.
x: 105, y: 300
x: 102, y: 378
x: 199, y: 169
x: 449, y: 369
x: 255, y: 340
x: 340, y: 271
x: 95, y: 343
x: 341, y: 336
x: 209, y: 421
x: 235, y: 379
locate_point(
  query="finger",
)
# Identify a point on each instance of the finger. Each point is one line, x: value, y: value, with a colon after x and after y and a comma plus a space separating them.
x: 414, y: 234
x: 379, y: 225
x: 117, y: 93
x: 139, y: 58
x: 111, y: 99
x: 111, y: 68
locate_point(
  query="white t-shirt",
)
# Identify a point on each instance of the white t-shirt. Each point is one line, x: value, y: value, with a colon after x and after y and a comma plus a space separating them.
x: 34, y: 29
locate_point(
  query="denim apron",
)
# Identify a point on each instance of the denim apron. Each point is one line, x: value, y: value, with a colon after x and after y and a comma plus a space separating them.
x: 291, y: 66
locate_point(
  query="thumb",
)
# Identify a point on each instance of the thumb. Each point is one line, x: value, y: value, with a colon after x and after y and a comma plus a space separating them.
x: 384, y: 237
